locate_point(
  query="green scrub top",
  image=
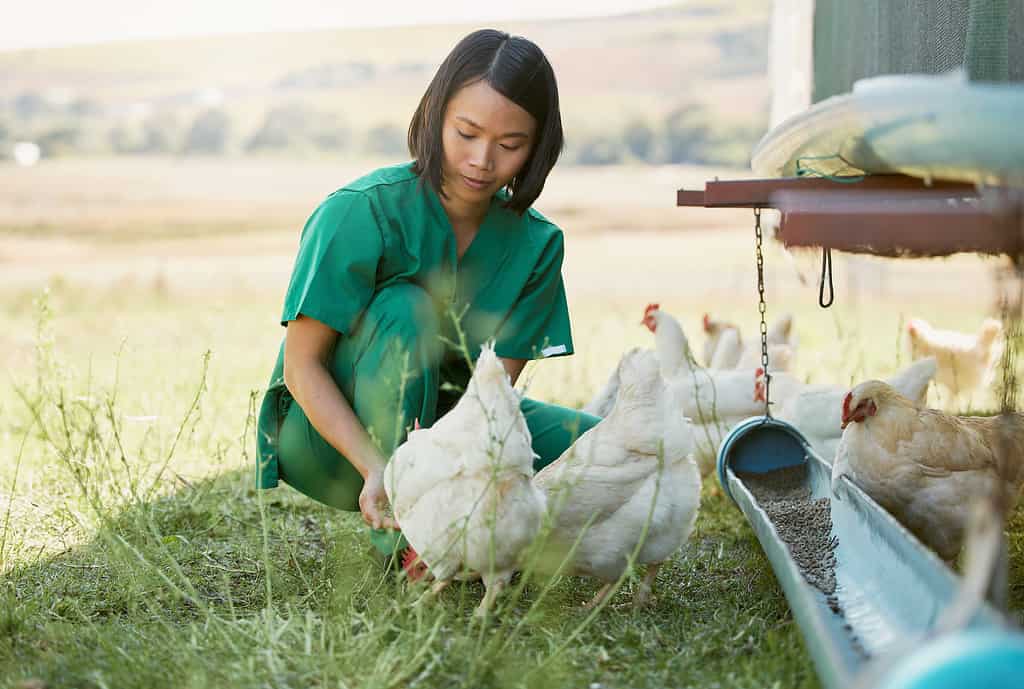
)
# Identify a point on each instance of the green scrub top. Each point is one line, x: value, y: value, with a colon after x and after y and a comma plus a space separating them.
x: 387, y: 227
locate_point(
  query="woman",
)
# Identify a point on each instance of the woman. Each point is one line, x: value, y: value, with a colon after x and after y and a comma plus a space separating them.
x: 403, y: 273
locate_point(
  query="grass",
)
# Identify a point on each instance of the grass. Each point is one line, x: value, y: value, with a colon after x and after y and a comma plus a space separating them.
x: 134, y: 551
x: 150, y: 578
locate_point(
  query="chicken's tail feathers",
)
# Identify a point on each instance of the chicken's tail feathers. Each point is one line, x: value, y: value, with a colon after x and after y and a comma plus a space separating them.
x: 488, y: 365
x: 912, y: 382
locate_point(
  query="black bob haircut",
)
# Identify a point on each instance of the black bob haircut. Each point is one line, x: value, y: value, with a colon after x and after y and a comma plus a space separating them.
x: 517, y: 69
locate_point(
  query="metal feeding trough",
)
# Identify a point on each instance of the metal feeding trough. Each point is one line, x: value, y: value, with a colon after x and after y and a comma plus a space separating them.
x: 866, y: 594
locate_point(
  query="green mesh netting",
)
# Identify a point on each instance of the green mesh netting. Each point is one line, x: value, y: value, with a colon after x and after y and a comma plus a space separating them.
x: 854, y: 39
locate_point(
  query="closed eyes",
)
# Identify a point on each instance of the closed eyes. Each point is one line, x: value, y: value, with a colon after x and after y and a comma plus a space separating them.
x: 470, y: 137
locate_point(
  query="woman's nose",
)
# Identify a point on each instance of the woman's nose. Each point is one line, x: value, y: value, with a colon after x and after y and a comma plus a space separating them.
x: 482, y: 156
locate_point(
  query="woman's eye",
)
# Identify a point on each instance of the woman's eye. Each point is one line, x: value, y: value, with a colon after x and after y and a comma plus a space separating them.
x: 507, y: 147
x: 464, y: 135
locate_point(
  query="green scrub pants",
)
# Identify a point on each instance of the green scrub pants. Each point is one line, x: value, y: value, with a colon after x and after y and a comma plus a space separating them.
x: 389, y: 371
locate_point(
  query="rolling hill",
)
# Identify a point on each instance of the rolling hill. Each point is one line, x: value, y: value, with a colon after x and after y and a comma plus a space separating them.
x: 706, y: 55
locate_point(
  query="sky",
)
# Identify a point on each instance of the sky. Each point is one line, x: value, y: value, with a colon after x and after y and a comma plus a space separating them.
x: 45, y: 23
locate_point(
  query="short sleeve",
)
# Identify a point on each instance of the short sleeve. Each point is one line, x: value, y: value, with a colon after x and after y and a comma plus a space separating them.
x: 538, y: 324
x: 335, y: 271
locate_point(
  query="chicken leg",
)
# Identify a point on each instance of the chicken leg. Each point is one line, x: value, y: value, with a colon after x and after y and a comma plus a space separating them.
x: 430, y: 594
x: 493, y: 588
x: 643, y: 593
x: 599, y: 598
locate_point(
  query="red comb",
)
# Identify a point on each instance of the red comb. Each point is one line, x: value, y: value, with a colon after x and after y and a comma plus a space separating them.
x: 846, y: 404
x: 651, y: 307
x: 416, y: 424
x: 707, y: 323
x: 759, y: 386
x: 414, y: 567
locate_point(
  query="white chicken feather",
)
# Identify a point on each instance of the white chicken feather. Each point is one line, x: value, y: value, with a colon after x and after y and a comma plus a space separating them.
x: 816, y: 410
x: 629, y: 482
x: 461, y: 490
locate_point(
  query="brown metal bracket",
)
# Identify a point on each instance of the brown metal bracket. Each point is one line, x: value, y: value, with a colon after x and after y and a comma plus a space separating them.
x: 887, y: 215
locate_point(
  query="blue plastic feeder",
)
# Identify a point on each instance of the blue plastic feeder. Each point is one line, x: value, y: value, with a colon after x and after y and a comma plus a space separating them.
x: 876, y: 629
x: 758, y: 445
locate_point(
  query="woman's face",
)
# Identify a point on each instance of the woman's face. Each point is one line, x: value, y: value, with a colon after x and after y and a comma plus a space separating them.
x: 487, y: 139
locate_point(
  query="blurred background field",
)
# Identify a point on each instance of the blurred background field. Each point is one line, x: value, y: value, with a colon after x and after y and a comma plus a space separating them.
x: 681, y: 83
x: 160, y: 225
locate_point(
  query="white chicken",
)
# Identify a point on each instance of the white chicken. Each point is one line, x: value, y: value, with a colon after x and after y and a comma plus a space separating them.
x: 723, y: 339
x: 673, y: 352
x: 727, y: 396
x: 628, y: 485
x: 724, y: 346
x: 816, y: 410
x: 715, y: 399
x: 925, y: 467
x: 601, y: 404
x: 966, y: 362
x: 461, y: 490
x: 675, y: 357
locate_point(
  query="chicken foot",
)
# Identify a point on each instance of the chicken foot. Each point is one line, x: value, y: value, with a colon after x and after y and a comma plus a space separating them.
x: 430, y: 594
x: 643, y: 593
x: 601, y: 595
x: 490, y: 595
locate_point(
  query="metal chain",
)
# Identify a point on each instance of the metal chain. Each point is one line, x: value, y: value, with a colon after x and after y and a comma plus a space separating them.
x: 762, y: 308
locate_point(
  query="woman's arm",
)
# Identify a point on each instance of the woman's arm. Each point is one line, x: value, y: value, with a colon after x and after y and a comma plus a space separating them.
x: 308, y: 346
x: 513, y: 367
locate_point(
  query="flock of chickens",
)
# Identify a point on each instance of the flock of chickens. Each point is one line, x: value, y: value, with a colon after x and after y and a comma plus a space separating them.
x: 627, y: 491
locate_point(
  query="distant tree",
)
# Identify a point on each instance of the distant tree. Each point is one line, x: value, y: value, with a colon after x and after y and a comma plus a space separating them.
x: 62, y: 140
x: 281, y: 129
x: 29, y: 104
x: 687, y: 134
x: 85, y: 107
x: 386, y: 140
x: 639, y: 139
x: 209, y: 133
x: 293, y: 127
x: 161, y: 133
x: 335, y: 138
x: 123, y: 139
x: 599, y: 150
x: 6, y: 136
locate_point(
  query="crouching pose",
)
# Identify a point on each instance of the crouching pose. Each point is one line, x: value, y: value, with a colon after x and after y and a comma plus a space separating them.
x: 401, y: 273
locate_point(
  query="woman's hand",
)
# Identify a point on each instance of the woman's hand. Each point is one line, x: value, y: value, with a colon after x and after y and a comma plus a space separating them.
x: 306, y: 352
x: 373, y: 502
